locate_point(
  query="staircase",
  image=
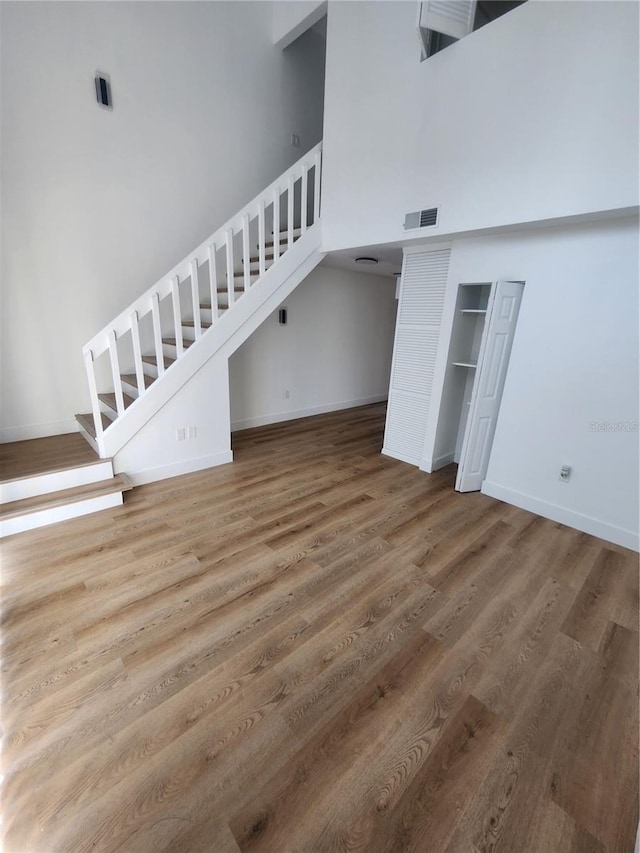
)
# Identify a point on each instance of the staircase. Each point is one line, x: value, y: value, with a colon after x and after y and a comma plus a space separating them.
x: 54, y: 479
x: 205, y: 307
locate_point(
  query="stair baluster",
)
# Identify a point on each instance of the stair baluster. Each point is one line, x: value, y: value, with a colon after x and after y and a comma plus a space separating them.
x: 157, y: 332
x: 213, y: 281
x: 115, y: 369
x: 195, y: 298
x: 246, y: 252
x: 162, y: 301
x: 137, y: 352
x: 290, y: 187
x: 230, y: 267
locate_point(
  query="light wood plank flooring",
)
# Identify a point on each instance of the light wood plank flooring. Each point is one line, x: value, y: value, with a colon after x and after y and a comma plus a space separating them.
x: 44, y: 455
x: 317, y: 648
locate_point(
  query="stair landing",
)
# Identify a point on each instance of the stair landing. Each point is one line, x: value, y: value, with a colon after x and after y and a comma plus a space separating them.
x: 46, y: 480
x: 44, y: 455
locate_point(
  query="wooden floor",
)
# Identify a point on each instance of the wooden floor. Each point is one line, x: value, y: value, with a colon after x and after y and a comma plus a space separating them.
x: 44, y: 455
x: 318, y: 648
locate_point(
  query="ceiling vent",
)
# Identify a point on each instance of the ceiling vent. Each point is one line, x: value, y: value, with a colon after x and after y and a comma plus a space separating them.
x: 421, y: 219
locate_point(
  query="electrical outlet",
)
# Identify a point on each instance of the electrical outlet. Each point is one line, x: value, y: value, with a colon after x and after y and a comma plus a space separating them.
x: 180, y: 434
x: 565, y: 473
x: 295, y: 140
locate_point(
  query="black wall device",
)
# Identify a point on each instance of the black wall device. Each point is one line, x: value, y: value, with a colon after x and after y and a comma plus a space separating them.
x: 103, y: 91
x: 282, y: 316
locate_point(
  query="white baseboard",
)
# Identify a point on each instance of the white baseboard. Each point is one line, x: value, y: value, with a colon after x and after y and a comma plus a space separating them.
x: 431, y: 465
x: 401, y: 457
x: 24, y: 433
x: 176, y: 469
x: 601, y: 529
x: 280, y: 417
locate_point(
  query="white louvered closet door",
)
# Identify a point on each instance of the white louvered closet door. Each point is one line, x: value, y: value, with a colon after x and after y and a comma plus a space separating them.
x: 452, y: 17
x: 422, y: 290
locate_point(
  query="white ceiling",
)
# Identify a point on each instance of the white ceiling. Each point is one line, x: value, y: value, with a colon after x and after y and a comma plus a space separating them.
x: 389, y: 260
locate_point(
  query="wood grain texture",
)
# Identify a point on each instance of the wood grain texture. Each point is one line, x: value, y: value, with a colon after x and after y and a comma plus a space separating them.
x: 318, y: 648
x: 44, y: 455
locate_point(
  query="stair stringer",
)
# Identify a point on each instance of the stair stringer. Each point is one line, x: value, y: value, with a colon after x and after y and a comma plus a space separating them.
x: 228, y: 333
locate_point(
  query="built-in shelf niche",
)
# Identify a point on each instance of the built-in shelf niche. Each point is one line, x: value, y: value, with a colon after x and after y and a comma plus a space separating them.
x: 466, y: 337
x: 471, y: 313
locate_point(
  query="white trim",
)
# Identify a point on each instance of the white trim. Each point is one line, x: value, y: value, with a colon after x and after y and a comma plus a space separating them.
x: 176, y: 469
x: 55, y: 481
x: 25, y: 433
x: 430, y: 465
x: 416, y: 248
x: 302, y: 26
x: 399, y: 456
x: 280, y: 417
x: 601, y: 529
x: 22, y: 523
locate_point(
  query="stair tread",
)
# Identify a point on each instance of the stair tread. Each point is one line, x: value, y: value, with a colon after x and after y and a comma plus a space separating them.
x: 118, y: 483
x: 283, y: 241
x: 172, y: 342
x: 151, y: 359
x: 226, y: 290
x: 110, y: 400
x: 35, y: 457
x: 86, y: 422
x: 132, y: 379
x: 255, y: 259
x: 190, y: 324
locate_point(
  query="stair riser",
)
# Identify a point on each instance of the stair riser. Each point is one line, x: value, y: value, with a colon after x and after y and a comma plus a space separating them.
x: 169, y: 350
x: 44, y: 484
x: 189, y: 333
x: 131, y: 390
x: 106, y: 408
x: 206, y: 314
x: 33, y: 520
x: 109, y: 412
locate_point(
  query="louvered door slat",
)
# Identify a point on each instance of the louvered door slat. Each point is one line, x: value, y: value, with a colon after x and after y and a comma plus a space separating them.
x: 422, y: 292
x: 452, y: 17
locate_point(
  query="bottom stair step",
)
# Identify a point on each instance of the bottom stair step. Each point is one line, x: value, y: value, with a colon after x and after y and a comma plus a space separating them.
x: 27, y: 514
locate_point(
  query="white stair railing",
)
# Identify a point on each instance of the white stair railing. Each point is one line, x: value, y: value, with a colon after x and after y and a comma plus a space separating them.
x: 268, y: 223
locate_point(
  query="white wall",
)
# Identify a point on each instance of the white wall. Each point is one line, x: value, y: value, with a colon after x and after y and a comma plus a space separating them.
x: 97, y: 205
x: 334, y: 352
x: 292, y: 17
x: 202, y: 404
x: 574, y: 363
x: 304, y: 68
x: 534, y: 116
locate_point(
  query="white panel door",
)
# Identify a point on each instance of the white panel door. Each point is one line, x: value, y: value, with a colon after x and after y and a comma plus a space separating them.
x: 491, y: 373
x: 422, y: 289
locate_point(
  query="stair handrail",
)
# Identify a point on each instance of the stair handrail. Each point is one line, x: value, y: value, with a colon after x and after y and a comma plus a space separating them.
x: 149, y: 302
